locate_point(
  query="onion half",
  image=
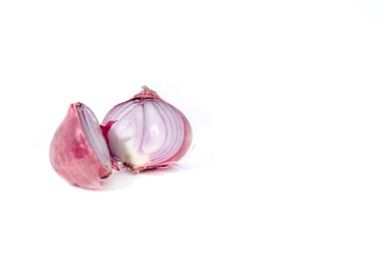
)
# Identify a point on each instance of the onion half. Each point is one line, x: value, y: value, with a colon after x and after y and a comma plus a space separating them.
x: 146, y: 132
x: 78, y: 149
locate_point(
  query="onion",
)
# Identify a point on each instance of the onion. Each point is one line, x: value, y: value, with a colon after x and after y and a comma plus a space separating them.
x: 146, y: 132
x: 142, y: 133
x: 78, y: 150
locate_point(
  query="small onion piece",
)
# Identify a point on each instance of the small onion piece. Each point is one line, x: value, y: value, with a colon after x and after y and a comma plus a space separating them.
x: 146, y: 132
x: 78, y: 151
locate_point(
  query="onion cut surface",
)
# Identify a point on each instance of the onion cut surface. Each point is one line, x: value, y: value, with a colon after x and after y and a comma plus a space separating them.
x: 146, y: 132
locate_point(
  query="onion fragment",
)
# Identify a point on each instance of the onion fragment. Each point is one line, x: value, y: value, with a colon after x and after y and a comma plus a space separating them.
x: 78, y: 150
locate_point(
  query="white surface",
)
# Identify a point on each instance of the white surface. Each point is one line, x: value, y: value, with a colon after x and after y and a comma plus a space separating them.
x: 285, y: 99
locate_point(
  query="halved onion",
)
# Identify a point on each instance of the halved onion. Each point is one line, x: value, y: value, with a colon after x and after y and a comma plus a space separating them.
x: 78, y: 150
x: 146, y: 132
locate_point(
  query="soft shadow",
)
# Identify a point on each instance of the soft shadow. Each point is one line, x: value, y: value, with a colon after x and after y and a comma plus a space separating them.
x: 164, y: 170
x: 124, y: 178
x: 119, y: 180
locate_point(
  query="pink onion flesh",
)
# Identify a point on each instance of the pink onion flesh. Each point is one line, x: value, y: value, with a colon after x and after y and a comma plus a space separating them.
x: 78, y: 150
x: 146, y: 132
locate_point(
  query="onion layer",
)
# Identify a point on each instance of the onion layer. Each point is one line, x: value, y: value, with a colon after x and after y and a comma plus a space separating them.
x: 146, y: 132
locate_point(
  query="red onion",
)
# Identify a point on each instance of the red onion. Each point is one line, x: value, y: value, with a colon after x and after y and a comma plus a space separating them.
x: 143, y: 133
x: 78, y: 150
x: 146, y: 132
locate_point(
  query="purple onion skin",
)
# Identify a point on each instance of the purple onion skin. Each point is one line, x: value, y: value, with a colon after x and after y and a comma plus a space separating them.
x: 148, y: 94
x: 71, y: 155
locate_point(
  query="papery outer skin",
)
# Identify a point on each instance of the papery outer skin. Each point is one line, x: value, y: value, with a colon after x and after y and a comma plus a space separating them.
x: 147, y: 93
x: 71, y: 155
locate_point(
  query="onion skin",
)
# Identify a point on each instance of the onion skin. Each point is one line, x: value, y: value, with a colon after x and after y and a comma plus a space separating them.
x: 71, y: 155
x: 144, y: 96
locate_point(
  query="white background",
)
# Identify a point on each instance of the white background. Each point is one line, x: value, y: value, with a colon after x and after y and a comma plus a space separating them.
x: 285, y: 99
